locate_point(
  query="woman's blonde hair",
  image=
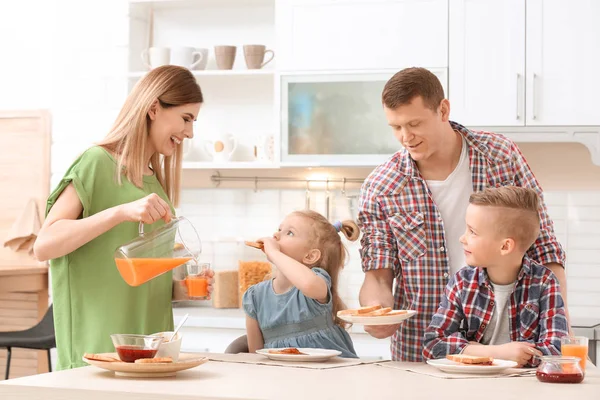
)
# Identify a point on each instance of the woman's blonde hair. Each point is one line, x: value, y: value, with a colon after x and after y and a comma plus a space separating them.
x: 172, y: 86
x: 333, y: 252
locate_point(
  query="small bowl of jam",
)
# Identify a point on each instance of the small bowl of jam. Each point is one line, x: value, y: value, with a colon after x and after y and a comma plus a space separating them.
x: 133, y: 347
x: 559, y: 369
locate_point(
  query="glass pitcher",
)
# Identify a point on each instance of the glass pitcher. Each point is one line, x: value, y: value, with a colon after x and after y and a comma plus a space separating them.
x: 154, y: 253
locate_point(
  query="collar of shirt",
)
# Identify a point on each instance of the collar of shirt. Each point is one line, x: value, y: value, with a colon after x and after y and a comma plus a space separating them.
x: 484, y: 280
x: 475, y: 140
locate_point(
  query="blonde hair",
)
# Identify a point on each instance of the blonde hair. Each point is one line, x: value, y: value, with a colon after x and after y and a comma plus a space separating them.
x: 519, y: 218
x: 172, y: 86
x: 333, y: 252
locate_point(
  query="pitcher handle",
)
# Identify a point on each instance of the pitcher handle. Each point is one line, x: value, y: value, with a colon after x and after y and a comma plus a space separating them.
x: 141, y: 229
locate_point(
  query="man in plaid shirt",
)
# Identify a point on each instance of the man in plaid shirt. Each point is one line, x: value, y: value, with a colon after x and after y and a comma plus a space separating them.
x: 412, y: 207
x: 503, y: 305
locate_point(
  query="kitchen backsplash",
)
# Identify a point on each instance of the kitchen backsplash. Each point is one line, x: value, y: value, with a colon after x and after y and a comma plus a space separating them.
x: 227, y: 217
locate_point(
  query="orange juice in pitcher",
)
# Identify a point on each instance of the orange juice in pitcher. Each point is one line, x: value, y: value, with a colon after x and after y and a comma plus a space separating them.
x: 161, y: 250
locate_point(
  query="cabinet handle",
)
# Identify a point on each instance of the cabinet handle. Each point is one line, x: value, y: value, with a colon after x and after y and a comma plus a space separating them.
x: 534, y: 111
x: 518, y: 87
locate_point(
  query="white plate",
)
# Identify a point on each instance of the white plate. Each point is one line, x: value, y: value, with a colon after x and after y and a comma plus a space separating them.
x: 382, y: 320
x: 312, y: 355
x: 443, y: 364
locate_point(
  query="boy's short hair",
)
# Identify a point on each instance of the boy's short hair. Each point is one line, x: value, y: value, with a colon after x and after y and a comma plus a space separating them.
x: 519, y: 218
x: 409, y: 83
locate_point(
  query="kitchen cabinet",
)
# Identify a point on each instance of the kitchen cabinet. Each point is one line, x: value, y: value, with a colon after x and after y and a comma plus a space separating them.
x: 563, y: 62
x: 513, y: 64
x: 487, y: 62
x: 367, y: 34
x: 336, y: 118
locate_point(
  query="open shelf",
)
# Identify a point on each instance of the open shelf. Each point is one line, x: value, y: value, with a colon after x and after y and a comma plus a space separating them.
x: 218, y: 72
x: 229, y: 165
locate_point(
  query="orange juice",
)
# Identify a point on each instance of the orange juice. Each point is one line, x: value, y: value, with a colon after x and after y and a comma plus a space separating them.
x: 197, y: 286
x: 136, y: 271
x: 576, y: 350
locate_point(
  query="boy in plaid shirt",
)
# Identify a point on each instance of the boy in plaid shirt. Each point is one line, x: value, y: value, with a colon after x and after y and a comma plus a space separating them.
x: 503, y: 304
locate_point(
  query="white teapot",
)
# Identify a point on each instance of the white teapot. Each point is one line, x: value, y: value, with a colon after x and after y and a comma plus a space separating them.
x: 221, y: 147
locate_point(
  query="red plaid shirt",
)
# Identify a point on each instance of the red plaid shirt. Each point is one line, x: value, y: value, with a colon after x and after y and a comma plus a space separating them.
x: 403, y: 228
x: 536, y: 311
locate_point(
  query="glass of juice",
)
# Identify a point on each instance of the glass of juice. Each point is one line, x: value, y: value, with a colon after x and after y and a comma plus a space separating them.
x: 575, y: 346
x: 196, y: 280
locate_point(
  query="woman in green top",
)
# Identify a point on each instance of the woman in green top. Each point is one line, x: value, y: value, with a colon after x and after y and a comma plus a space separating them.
x: 132, y: 176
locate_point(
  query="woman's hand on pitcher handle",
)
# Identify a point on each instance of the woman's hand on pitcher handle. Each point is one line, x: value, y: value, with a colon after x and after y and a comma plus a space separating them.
x: 148, y: 210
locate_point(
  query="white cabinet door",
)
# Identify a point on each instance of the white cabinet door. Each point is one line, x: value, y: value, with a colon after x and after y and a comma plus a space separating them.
x: 563, y: 62
x: 487, y: 62
x: 361, y: 34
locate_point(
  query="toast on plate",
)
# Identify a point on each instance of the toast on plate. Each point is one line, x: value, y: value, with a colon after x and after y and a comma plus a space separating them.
x: 290, y: 350
x: 379, y: 312
x: 470, y: 360
x: 371, y: 311
x: 358, y: 311
x: 100, y: 357
x: 155, y: 360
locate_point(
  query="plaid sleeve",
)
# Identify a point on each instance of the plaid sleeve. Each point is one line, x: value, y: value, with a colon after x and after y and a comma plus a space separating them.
x: 378, y: 243
x: 442, y: 336
x: 553, y: 321
x: 546, y: 248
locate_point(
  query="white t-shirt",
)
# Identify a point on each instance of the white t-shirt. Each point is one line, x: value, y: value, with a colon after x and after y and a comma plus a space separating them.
x: 498, y: 330
x: 452, y: 198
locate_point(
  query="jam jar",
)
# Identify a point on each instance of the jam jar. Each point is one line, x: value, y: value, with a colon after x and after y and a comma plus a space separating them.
x: 559, y: 369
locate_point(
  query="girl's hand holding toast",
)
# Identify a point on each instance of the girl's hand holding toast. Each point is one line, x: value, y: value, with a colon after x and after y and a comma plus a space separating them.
x: 271, y: 246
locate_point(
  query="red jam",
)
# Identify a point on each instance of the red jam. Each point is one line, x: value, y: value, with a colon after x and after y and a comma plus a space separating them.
x: 132, y: 353
x: 556, y: 377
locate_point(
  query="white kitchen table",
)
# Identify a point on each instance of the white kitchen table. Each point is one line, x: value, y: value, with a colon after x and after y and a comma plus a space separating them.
x: 220, y: 380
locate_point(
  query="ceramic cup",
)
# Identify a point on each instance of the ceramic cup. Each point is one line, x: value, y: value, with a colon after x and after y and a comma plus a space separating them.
x: 156, y: 56
x: 186, y: 57
x: 254, y: 54
x: 203, y: 60
x: 225, y: 56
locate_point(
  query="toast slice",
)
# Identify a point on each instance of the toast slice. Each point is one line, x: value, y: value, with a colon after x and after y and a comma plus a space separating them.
x: 470, y: 360
x: 155, y: 360
x: 256, y: 245
x: 358, y: 311
x: 290, y: 350
x: 396, y: 312
x: 100, y: 357
x: 378, y: 312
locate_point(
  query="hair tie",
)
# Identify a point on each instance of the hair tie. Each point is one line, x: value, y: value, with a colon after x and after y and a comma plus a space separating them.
x: 337, y: 225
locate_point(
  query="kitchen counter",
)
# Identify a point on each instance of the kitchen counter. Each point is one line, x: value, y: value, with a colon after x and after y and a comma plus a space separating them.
x: 228, y: 318
x: 221, y: 380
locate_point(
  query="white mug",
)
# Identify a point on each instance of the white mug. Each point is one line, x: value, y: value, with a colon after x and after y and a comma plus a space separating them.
x: 203, y: 60
x: 221, y: 147
x: 156, y: 56
x: 184, y: 57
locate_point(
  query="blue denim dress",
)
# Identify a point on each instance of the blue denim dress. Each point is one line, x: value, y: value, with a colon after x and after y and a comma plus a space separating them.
x: 291, y: 319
